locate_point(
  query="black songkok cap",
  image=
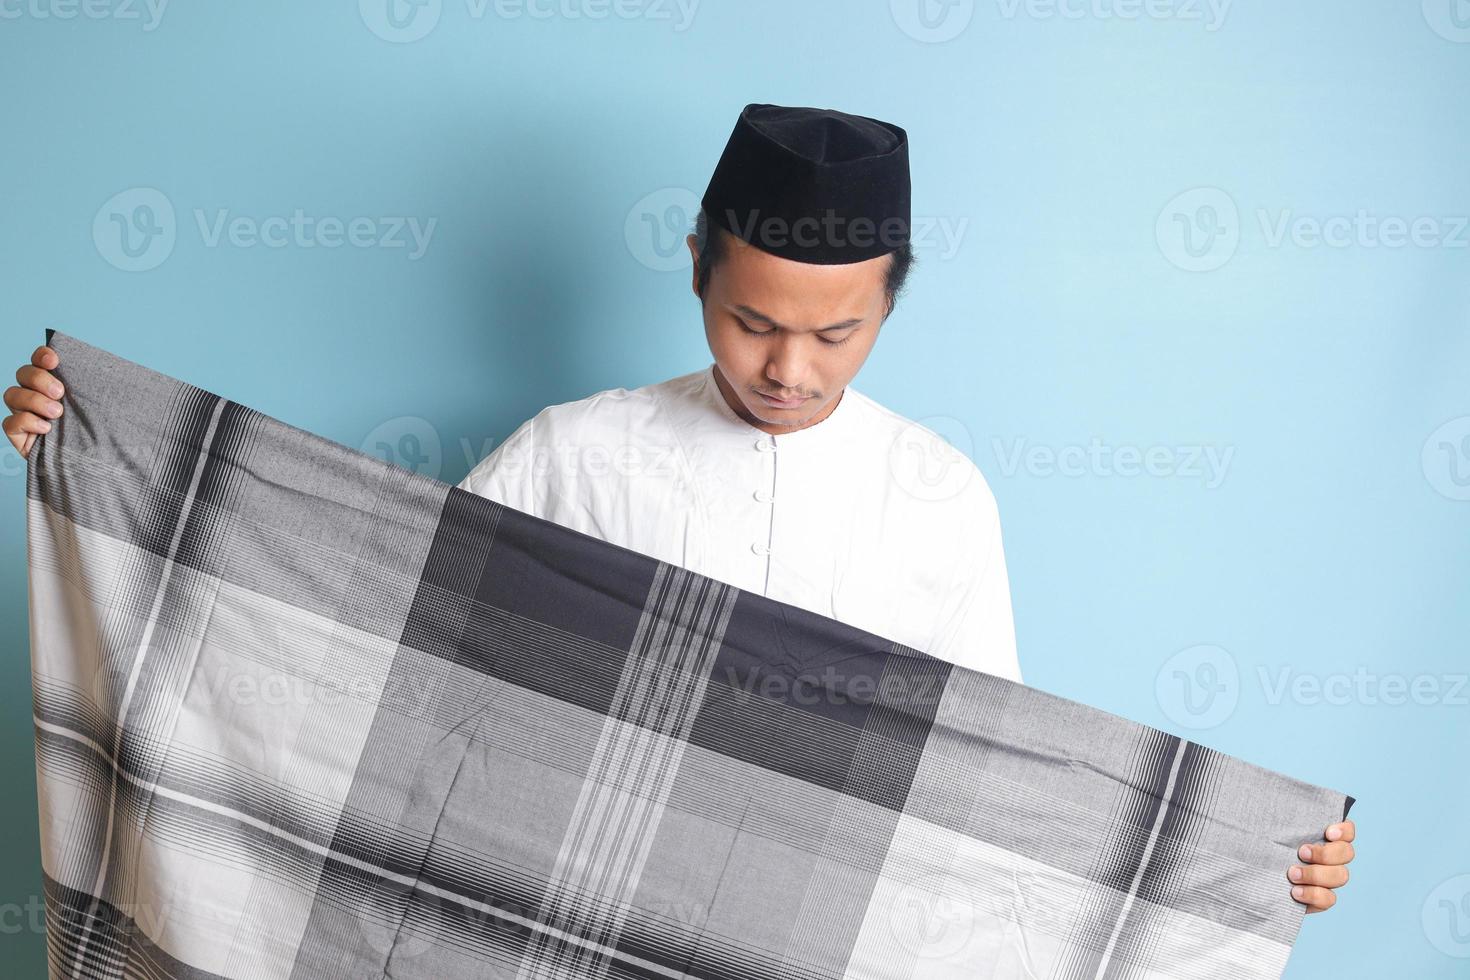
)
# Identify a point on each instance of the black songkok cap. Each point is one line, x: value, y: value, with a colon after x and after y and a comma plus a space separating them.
x: 813, y: 185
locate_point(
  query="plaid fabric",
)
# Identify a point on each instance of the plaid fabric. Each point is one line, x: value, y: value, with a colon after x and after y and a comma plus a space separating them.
x: 302, y: 713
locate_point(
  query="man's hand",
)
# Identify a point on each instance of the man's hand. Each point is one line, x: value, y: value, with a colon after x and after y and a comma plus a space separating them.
x: 35, y: 402
x: 1323, y: 868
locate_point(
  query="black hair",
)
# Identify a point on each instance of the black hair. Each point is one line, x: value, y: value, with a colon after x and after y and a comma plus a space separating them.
x: 710, y: 244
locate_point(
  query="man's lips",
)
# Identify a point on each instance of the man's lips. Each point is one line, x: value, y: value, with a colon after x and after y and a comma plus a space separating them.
x: 781, y: 403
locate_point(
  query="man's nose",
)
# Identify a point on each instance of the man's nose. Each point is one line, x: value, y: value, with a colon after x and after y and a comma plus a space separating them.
x: 786, y: 369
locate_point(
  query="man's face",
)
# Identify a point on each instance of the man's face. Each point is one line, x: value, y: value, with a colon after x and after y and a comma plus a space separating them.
x: 789, y: 330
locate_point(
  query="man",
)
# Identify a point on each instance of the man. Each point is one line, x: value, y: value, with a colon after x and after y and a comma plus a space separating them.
x: 767, y: 469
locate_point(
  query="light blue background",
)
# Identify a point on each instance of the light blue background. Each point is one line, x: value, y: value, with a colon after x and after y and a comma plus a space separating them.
x: 1333, y: 540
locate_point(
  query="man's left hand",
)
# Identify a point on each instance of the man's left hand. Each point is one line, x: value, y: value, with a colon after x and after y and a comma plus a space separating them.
x: 1323, y: 868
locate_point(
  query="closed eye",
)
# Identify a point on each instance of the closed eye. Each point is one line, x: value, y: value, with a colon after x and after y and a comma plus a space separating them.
x: 762, y: 333
x: 746, y: 327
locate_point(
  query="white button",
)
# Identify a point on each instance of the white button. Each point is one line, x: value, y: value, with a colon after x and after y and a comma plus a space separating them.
x: 764, y: 496
x: 766, y: 445
x: 759, y: 548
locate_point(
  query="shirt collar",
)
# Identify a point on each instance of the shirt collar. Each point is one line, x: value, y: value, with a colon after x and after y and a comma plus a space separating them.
x: 833, y: 425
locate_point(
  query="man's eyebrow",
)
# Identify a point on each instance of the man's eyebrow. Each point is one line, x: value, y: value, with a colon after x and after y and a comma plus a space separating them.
x: 754, y: 314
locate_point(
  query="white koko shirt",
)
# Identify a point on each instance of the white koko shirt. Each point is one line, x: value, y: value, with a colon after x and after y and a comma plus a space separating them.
x: 865, y: 517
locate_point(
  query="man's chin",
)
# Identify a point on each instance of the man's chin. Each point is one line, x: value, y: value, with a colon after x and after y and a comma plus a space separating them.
x: 807, y: 406
x: 791, y: 418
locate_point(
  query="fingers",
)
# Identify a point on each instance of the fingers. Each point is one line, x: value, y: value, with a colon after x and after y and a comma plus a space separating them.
x: 1315, y: 898
x: 1323, y: 869
x: 45, y: 357
x: 39, y: 380
x: 1337, y: 852
x: 22, y: 400
x: 1324, y: 875
x: 1344, y: 831
x: 21, y: 429
x: 35, y: 402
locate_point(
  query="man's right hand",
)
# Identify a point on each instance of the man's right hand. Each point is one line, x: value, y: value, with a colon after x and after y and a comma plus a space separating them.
x: 34, y: 402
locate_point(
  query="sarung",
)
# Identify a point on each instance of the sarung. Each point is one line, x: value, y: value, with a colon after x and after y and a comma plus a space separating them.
x: 301, y: 713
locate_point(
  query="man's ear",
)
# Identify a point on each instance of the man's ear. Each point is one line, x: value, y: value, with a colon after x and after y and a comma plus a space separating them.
x: 693, y: 244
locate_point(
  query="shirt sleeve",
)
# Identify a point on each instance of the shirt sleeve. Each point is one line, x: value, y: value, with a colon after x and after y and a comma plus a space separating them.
x: 507, y: 475
x: 979, y: 631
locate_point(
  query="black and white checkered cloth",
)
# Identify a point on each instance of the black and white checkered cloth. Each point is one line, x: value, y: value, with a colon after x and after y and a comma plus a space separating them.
x: 302, y: 713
